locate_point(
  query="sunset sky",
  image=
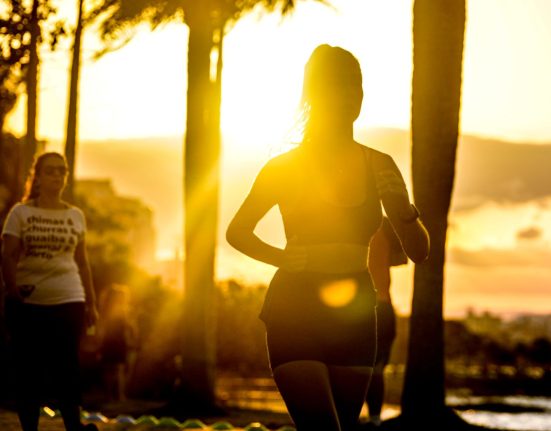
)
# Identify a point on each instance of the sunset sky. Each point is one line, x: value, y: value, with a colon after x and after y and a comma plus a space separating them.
x: 139, y: 92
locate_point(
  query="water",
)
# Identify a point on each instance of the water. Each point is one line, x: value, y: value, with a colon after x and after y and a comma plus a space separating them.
x: 519, y: 421
x: 519, y: 413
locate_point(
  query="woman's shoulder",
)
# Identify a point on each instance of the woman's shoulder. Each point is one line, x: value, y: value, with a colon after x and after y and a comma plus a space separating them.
x: 21, y: 207
x: 74, y: 209
x: 375, y: 154
x: 379, y: 159
x: 31, y: 204
x: 17, y: 215
x: 286, y: 158
x: 283, y: 164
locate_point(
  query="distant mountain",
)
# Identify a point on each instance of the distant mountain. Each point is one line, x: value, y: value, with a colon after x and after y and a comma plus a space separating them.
x: 486, y: 169
x: 503, y: 171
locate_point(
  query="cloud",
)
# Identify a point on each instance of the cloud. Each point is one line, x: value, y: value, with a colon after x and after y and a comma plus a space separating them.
x: 535, y: 257
x: 486, y: 169
x: 500, y: 171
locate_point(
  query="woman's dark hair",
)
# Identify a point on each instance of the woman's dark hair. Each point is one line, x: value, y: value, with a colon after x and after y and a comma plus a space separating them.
x: 324, y: 68
x: 325, y: 62
x: 31, y: 187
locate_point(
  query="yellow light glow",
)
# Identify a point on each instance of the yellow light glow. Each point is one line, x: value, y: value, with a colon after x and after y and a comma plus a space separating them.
x: 339, y: 293
x: 47, y: 410
x: 140, y: 91
x: 264, y: 60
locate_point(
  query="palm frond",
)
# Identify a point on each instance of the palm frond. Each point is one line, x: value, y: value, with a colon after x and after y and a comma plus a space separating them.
x: 118, y: 17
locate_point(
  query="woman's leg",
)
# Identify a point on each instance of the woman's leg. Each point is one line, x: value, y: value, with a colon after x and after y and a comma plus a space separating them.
x: 375, y: 394
x: 121, y: 382
x: 386, y: 332
x: 24, y: 325
x: 68, y: 323
x: 349, y: 387
x: 306, y: 389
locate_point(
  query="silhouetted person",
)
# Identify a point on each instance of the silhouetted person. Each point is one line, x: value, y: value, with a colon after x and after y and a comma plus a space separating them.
x: 321, y: 300
x: 116, y: 335
x: 49, y: 291
x: 385, y: 251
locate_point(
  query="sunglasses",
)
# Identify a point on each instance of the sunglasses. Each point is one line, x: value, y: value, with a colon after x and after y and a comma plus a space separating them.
x: 51, y: 170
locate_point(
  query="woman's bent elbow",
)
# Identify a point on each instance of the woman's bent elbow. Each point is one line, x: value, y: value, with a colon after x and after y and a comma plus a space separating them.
x: 419, y: 258
x: 420, y: 254
x: 235, y: 235
x: 231, y: 236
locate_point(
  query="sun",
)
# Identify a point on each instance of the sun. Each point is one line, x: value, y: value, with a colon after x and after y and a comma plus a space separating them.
x: 261, y: 92
x: 264, y: 58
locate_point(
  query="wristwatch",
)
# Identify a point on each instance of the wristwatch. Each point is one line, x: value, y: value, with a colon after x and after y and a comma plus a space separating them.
x: 410, y: 218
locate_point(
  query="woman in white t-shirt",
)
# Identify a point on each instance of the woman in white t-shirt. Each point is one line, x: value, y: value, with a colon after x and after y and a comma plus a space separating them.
x: 49, y: 294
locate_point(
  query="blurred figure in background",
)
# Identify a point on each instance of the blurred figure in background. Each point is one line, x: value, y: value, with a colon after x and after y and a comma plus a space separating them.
x: 116, y: 336
x: 385, y: 251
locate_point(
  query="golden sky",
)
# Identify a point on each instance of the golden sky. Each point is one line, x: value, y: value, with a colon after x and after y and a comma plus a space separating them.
x: 139, y: 91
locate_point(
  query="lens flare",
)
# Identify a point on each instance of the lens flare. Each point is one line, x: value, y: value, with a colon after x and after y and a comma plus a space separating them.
x: 339, y: 293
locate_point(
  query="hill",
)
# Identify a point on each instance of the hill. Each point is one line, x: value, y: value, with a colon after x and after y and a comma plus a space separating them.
x: 151, y: 169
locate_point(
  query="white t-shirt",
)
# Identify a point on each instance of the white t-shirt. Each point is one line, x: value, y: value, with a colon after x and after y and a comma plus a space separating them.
x: 46, y: 270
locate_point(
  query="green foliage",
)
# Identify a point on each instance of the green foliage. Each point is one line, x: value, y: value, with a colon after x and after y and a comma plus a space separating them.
x: 240, y: 336
x: 11, y: 185
x: 14, y: 52
x: 154, y: 309
x: 15, y: 28
x: 107, y: 250
x: 241, y: 346
x: 478, y: 350
x: 541, y: 351
x: 118, y: 18
x: 460, y: 342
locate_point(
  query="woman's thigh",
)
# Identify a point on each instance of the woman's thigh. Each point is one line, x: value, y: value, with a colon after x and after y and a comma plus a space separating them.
x: 306, y: 389
x: 349, y: 387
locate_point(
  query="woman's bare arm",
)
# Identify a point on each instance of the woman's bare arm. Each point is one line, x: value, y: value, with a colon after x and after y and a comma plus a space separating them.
x: 379, y: 263
x: 11, y: 249
x: 240, y: 233
x: 393, y: 193
x: 81, y: 259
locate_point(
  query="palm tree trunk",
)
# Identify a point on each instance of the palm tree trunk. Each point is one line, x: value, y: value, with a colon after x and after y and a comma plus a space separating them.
x: 32, y: 91
x: 72, y: 112
x: 438, y: 32
x: 2, y: 169
x: 217, y: 96
x: 201, y: 172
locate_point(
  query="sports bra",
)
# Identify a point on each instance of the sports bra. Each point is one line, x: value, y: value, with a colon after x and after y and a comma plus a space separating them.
x: 314, y: 220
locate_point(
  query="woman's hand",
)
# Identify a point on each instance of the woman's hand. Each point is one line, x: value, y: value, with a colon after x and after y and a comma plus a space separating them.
x: 91, y: 315
x: 13, y: 293
x: 294, y: 258
x: 11, y: 249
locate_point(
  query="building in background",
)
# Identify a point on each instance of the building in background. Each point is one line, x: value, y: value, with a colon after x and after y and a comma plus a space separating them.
x: 126, y: 218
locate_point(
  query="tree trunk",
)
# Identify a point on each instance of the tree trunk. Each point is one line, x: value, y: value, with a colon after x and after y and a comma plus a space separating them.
x: 438, y: 32
x: 72, y: 112
x: 217, y: 98
x: 32, y: 93
x: 201, y: 178
x: 2, y: 169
